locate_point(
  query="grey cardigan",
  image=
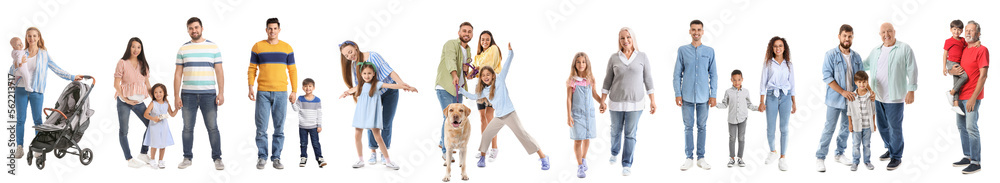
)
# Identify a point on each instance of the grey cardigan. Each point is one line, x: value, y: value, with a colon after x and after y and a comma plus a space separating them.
x: 628, y: 83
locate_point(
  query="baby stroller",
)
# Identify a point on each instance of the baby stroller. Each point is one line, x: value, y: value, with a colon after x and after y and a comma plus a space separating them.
x: 64, y: 126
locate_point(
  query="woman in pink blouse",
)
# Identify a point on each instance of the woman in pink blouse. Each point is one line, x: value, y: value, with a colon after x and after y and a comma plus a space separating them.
x: 131, y: 88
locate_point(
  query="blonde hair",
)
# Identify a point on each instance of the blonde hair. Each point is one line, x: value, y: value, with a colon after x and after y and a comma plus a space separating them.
x: 492, y: 84
x: 41, y: 42
x: 588, y: 72
x: 635, y: 46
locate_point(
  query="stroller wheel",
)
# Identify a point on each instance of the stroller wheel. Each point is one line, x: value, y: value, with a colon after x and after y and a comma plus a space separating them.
x: 40, y: 162
x: 29, y: 157
x: 59, y: 153
x: 86, y: 156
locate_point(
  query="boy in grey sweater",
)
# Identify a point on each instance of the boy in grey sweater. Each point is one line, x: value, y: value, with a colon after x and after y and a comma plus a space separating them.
x: 738, y: 101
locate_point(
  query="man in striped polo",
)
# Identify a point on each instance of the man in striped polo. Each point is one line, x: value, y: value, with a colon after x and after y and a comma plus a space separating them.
x: 199, y: 71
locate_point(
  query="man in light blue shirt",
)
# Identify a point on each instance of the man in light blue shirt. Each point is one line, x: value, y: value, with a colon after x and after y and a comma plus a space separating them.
x: 893, y: 69
x: 695, y: 86
x: 839, y: 65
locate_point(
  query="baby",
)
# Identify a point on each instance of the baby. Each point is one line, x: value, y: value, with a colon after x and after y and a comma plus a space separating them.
x: 21, y: 69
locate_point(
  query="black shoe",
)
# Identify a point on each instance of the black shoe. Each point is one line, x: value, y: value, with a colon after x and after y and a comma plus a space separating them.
x: 972, y: 168
x: 893, y: 164
x: 884, y: 157
x: 961, y: 163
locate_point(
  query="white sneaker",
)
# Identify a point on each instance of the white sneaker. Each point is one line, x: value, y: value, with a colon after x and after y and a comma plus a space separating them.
x: 771, y: 157
x: 373, y: 159
x: 613, y: 159
x: 391, y: 165
x: 184, y: 164
x: 842, y: 159
x: 153, y: 165
x: 161, y: 165
x: 135, y: 163
x: 20, y: 152
x: 704, y: 164
x: 359, y: 164
x: 781, y: 165
x: 626, y: 171
x: 493, y: 154
x: 144, y: 158
x: 687, y: 164
x: 958, y: 110
x: 821, y: 165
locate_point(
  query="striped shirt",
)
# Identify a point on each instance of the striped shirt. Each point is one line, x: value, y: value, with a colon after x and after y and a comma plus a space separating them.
x: 272, y: 60
x: 382, y: 73
x: 861, y: 111
x: 132, y: 81
x: 199, y: 60
x: 42, y: 63
x: 310, y: 112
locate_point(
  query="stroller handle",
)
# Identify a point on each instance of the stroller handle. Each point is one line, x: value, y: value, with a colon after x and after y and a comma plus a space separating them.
x: 91, y: 78
x: 56, y: 110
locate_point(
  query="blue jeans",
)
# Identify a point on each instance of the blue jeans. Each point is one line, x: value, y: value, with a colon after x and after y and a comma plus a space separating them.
x: 831, y: 125
x: 306, y: 135
x: 206, y: 102
x: 862, y: 138
x: 968, y: 130
x: 778, y: 106
x: 689, y: 111
x: 624, y: 121
x: 123, y: 117
x: 389, y: 100
x: 270, y: 104
x: 21, y: 99
x: 445, y: 99
x: 889, y: 120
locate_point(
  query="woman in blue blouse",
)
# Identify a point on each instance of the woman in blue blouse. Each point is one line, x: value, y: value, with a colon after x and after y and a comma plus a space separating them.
x: 777, y: 95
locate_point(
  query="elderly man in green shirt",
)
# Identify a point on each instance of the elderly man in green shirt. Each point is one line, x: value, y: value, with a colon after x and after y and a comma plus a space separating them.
x: 454, y: 55
x: 893, y: 69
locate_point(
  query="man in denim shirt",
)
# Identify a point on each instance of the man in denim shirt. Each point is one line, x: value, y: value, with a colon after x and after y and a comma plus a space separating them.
x: 695, y: 86
x: 839, y: 65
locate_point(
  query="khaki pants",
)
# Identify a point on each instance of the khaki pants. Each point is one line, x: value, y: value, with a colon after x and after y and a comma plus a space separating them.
x: 515, y: 126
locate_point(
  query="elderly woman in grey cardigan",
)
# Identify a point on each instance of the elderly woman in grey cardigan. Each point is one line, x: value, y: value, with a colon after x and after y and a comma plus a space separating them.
x: 629, y: 77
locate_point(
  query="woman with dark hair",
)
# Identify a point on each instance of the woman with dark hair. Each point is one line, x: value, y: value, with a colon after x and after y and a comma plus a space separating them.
x: 777, y: 95
x: 350, y: 55
x: 29, y: 91
x: 488, y: 55
x: 131, y: 88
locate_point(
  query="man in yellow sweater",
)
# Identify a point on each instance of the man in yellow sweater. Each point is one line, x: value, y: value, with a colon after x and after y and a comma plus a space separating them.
x: 272, y: 57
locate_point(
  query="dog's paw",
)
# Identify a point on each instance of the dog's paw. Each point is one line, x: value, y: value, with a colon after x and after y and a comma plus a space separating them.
x: 465, y: 177
x: 446, y: 179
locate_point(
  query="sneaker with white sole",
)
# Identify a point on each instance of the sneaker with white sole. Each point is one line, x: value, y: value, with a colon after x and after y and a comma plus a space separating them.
x: 359, y: 164
x: 218, y: 164
x: 144, y: 158
x: 302, y: 161
x: 260, y: 163
x: 493, y: 154
x: 854, y: 167
x: 382, y: 160
x: 613, y: 159
x: 153, y: 165
x: 958, y: 110
x: 321, y: 162
x: 161, y: 164
x: 391, y: 165
x: 820, y: 165
x: 20, y: 152
x: 782, y: 165
x: 687, y: 164
x: 732, y: 162
x: 704, y: 164
x: 276, y: 163
x: 739, y: 162
x: 771, y: 157
x: 135, y: 163
x: 626, y: 171
x: 950, y: 97
x: 373, y: 159
x: 184, y: 164
x: 842, y: 159
x: 869, y: 166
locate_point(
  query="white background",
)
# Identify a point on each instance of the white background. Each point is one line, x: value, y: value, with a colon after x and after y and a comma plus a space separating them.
x: 89, y: 38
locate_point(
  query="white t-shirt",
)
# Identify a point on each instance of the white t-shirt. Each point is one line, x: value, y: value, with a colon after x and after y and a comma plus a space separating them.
x: 26, y: 79
x: 850, y: 73
x: 882, y: 78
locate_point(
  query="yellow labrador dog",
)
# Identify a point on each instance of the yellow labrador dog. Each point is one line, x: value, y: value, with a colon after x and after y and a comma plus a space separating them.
x: 456, y: 136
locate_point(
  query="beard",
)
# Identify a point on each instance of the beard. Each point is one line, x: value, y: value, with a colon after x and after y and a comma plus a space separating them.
x: 196, y: 37
x: 464, y: 40
x: 845, y: 46
x: 971, y: 39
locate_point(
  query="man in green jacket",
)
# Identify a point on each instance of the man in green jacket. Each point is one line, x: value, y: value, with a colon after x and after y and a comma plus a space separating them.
x: 454, y: 55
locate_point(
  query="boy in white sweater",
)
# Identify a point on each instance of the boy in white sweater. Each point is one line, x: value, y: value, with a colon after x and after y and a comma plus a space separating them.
x: 310, y: 122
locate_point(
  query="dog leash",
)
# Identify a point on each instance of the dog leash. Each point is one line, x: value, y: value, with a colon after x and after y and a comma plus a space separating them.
x: 475, y: 70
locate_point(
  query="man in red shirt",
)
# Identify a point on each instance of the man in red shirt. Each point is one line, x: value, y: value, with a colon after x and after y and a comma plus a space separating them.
x: 975, y: 62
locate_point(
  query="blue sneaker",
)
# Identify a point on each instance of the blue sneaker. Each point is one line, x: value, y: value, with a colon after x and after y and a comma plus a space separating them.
x: 481, y: 163
x: 545, y: 163
x: 585, y: 167
x: 581, y: 172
